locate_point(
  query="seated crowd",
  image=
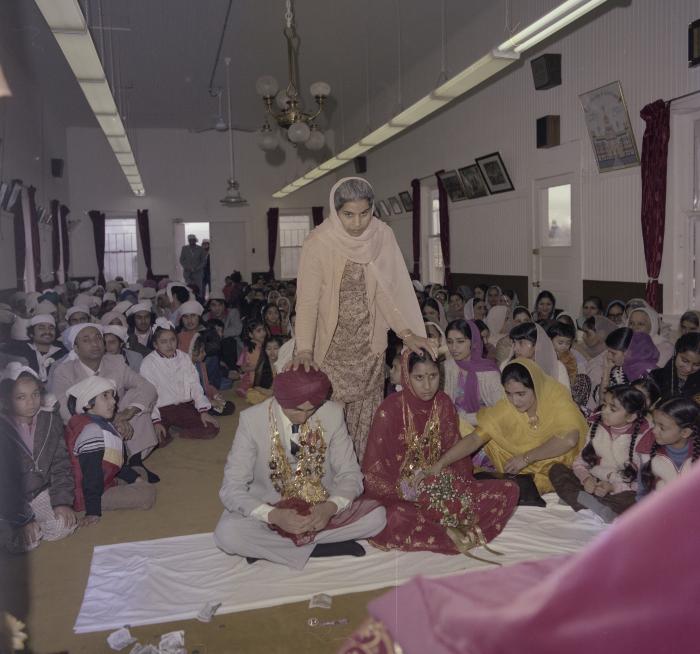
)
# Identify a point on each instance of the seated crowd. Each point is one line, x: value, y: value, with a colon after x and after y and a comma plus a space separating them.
x: 601, y: 408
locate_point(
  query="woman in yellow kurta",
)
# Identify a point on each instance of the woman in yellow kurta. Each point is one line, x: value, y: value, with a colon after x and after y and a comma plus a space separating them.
x: 535, y: 426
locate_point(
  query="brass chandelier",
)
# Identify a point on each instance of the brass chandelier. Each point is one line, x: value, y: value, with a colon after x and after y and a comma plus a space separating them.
x: 300, y: 125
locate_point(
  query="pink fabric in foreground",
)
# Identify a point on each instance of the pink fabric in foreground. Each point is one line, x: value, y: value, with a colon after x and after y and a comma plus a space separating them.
x: 635, y: 588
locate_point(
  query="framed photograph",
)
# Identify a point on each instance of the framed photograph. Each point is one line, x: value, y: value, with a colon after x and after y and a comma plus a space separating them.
x: 453, y: 185
x: 494, y: 171
x: 406, y: 201
x: 14, y: 194
x: 395, y: 205
x: 4, y: 188
x: 384, y: 210
x: 609, y: 127
x: 473, y: 182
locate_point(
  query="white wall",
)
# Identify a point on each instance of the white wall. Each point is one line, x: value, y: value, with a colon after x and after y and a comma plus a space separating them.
x: 30, y: 135
x: 185, y: 176
x: 642, y: 43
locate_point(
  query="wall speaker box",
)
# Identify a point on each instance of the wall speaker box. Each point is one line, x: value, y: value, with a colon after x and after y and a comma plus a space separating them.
x: 694, y: 43
x: 360, y: 164
x: 56, y: 167
x: 548, y: 132
x: 546, y: 71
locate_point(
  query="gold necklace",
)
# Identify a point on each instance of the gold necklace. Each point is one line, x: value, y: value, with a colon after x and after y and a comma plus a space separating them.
x: 305, y: 481
x: 416, y: 444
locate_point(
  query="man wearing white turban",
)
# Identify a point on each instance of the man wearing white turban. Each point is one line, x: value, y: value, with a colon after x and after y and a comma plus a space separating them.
x: 136, y: 396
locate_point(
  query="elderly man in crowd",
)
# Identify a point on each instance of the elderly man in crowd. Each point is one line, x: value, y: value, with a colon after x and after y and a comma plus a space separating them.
x: 292, y: 479
x: 136, y: 396
x: 193, y: 258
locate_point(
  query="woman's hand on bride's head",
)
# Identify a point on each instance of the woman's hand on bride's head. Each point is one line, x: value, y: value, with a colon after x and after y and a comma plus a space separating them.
x: 305, y: 359
x: 418, y: 344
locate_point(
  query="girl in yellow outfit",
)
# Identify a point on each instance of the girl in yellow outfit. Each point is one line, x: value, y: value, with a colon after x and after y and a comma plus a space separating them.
x: 535, y: 426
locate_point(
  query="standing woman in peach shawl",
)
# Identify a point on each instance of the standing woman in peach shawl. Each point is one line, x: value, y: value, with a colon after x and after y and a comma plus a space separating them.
x: 353, y: 287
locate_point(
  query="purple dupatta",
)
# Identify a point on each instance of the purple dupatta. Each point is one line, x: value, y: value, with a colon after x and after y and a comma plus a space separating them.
x: 469, y: 398
x: 640, y: 357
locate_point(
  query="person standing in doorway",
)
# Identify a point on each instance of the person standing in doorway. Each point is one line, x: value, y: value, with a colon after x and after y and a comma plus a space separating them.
x: 193, y: 258
x: 206, y: 278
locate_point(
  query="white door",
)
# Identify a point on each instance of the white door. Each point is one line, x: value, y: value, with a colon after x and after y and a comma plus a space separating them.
x: 227, y: 251
x: 556, y: 254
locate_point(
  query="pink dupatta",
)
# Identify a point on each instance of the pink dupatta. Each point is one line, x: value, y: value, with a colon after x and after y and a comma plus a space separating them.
x: 469, y: 400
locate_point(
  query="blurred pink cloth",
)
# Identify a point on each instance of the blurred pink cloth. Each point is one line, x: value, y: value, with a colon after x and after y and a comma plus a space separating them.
x: 635, y: 588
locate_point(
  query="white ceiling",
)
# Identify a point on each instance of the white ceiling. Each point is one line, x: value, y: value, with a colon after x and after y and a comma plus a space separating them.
x: 162, y: 52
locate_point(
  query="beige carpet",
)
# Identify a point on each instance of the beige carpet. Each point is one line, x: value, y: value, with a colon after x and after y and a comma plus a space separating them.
x: 188, y: 503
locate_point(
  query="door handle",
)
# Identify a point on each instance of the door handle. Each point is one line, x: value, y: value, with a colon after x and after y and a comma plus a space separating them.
x: 536, y: 284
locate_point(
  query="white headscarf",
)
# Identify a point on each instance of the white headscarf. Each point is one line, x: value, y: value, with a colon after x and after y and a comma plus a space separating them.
x: 495, y: 320
x: 71, y: 334
x: 14, y: 369
x: 116, y: 330
x: 42, y: 319
x: 78, y: 308
x: 141, y: 306
x: 89, y: 388
x: 191, y: 307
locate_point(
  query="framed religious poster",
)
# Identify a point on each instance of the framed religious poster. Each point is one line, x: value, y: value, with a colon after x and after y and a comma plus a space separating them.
x: 384, y: 210
x: 609, y: 127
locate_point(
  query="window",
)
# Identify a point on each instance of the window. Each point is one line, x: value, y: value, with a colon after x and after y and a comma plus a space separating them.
x: 436, y: 267
x: 121, y: 248
x: 200, y: 230
x: 293, y: 231
x: 556, y: 202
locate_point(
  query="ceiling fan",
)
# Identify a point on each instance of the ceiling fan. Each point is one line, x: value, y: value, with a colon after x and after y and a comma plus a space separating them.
x: 220, y: 124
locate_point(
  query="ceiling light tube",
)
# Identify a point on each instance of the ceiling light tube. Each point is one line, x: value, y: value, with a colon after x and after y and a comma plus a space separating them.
x: 81, y: 55
x: 125, y: 158
x: 65, y: 15
x: 570, y: 18
x: 119, y: 143
x: 541, y: 23
x: 99, y: 96
x: 111, y: 124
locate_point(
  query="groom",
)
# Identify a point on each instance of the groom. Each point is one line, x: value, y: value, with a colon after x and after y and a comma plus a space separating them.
x: 292, y: 478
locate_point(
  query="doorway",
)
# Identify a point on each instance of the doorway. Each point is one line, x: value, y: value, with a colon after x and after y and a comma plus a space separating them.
x: 556, y: 262
x: 182, y: 231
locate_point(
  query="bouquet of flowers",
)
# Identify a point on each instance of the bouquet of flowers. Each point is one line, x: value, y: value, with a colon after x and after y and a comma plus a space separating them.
x: 446, y: 499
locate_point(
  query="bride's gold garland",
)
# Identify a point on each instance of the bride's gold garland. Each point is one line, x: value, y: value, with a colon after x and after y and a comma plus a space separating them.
x: 305, y: 481
x: 416, y: 444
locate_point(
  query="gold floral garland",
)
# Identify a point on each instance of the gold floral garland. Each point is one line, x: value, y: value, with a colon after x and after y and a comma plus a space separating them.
x: 305, y: 481
x: 415, y: 458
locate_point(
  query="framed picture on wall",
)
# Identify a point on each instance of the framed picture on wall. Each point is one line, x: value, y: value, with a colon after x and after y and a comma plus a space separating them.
x: 4, y: 188
x: 494, y: 171
x: 395, y: 205
x: 406, y: 201
x: 473, y: 182
x: 453, y: 185
x: 384, y: 210
x: 608, y: 123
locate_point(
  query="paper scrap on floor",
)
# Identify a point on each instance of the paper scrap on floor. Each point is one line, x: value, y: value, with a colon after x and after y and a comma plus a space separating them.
x: 156, y: 581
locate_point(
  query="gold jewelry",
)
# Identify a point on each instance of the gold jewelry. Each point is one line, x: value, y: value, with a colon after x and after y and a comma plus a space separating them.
x: 526, y: 458
x: 422, y: 450
x: 533, y: 421
x: 304, y: 482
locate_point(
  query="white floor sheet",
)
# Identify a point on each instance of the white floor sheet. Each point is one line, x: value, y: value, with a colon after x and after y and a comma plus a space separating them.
x: 155, y: 581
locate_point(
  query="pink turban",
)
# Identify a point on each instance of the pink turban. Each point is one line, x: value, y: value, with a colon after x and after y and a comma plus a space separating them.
x: 295, y: 387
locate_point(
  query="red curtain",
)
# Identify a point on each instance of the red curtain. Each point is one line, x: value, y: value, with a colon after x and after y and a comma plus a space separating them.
x: 415, y: 191
x: 20, y: 245
x: 273, y: 221
x: 145, y: 234
x: 98, y: 231
x: 36, y: 244
x: 444, y: 228
x: 64, y: 210
x: 317, y: 215
x: 55, y: 241
x: 656, y: 115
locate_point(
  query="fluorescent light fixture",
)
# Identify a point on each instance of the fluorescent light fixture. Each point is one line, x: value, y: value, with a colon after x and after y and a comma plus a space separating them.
x: 62, y: 15
x: 119, y: 144
x: 99, y: 96
x: 67, y: 23
x: 80, y: 52
x: 111, y: 124
x: 125, y: 158
x: 479, y: 71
